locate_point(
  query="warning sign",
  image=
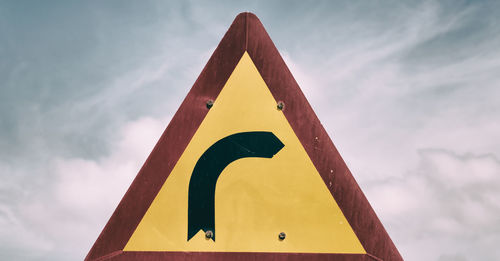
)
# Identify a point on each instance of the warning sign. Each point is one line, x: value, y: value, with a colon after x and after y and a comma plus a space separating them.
x: 244, y: 170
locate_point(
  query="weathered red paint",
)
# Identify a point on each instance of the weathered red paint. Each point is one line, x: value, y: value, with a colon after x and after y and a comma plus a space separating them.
x: 233, y: 256
x: 245, y: 34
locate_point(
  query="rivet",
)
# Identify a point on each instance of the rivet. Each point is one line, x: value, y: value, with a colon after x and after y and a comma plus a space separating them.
x: 210, y: 103
x: 280, y: 105
x: 282, y: 236
x: 209, y: 234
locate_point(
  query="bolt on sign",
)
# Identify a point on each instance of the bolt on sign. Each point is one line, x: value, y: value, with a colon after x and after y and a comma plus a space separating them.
x: 244, y: 171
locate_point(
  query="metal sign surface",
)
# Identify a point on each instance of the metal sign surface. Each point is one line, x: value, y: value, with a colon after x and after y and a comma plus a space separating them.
x: 244, y: 171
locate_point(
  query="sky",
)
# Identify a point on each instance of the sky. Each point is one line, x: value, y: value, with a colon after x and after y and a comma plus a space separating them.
x: 407, y: 90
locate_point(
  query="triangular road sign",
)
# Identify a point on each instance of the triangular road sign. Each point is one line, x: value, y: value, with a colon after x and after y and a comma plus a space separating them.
x: 244, y: 171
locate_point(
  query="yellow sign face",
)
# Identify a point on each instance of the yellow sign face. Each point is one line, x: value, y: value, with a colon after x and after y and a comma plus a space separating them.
x: 255, y: 198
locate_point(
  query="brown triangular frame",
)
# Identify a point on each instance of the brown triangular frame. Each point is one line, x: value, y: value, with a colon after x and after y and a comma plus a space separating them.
x: 245, y: 34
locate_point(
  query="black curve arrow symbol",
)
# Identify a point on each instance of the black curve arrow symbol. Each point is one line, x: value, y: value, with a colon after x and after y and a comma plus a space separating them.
x: 201, y: 198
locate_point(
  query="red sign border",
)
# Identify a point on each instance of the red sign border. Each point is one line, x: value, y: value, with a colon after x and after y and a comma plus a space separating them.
x: 245, y: 34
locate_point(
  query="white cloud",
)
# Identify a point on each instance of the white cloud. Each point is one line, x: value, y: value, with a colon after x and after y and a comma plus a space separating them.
x: 444, y: 208
x: 66, y: 217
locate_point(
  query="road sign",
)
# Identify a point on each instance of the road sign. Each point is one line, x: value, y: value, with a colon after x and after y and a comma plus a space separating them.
x: 244, y: 171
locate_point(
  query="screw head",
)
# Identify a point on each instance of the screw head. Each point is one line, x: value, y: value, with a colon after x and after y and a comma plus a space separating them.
x: 280, y: 105
x: 209, y: 234
x: 210, y: 103
x: 282, y: 236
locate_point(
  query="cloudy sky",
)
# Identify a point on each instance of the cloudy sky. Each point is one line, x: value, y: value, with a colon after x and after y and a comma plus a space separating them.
x: 409, y: 92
